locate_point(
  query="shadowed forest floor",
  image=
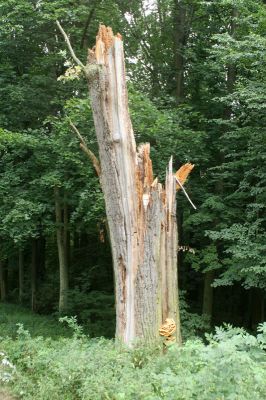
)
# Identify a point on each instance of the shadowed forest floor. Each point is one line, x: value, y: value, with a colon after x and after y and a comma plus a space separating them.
x: 4, y: 395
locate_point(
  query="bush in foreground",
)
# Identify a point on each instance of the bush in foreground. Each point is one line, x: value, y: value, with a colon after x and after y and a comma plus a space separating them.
x: 231, y: 366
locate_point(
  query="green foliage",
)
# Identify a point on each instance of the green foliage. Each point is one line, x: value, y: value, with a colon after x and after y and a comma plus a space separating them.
x: 192, y: 325
x: 230, y: 366
x: 11, y: 316
x: 219, y: 125
x: 95, y: 309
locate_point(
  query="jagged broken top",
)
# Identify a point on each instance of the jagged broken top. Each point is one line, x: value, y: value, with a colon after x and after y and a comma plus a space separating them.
x: 183, y: 173
x: 104, y: 41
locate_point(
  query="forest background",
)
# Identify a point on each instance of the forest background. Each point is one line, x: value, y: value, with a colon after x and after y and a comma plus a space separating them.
x: 196, y: 77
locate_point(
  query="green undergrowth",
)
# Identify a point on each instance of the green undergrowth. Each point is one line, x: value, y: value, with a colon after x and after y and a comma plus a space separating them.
x: 232, y: 365
x: 37, y: 325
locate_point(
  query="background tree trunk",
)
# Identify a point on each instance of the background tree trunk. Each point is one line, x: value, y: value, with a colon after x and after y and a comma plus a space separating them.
x: 63, y: 271
x: 179, y: 44
x: 141, y: 214
x: 3, y: 281
x: 33, y: 274
x: 208, y: 293
x: 231, y: 68
x: 21, y: 275
x: 258, y: 300
x: 66, y: 235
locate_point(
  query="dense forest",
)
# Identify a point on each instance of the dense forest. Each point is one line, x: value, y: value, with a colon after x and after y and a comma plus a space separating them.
x: 195, y: 73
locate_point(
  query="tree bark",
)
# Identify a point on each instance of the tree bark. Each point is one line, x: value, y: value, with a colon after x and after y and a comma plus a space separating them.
x: 63, y: 271
x: 3, y: 281
x: 41, y: 254
x: 141, y: 213
x: 21, y: 275
x: 258, y: 300
x: 83, y: 43
x: 208, y: 293
x: 231, y: 68
x: 66, y: 235
x: 179, y: 43
x: 33, y: 274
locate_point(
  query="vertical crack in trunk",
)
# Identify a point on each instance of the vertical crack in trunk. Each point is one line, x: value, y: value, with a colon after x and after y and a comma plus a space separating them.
x: 141, y: 214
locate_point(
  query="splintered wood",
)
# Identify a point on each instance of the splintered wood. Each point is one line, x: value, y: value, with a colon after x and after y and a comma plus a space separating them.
x: 183, y: 173
x: 141, y: 213
x: 104, y: 41
x: 144, y: 175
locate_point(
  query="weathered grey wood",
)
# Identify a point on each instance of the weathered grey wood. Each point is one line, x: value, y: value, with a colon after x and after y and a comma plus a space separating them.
x: 141, y: 214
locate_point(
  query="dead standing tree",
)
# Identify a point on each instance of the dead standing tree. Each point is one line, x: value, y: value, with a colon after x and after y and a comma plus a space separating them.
x: 141, y: 213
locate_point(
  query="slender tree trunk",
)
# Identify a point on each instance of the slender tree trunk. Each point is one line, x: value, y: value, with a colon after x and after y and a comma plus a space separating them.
x: 63, y: 272
x: 208, y: 293
x: 231, y: 68
x: 41, y: 245
x: 84, y: 39
x: 141, y: 213
x: 21, y: 275
x: 33, y: 275
x: 3, y: 281
x: 179, y: 44
x: 258, y: 302
x: 66, y: 235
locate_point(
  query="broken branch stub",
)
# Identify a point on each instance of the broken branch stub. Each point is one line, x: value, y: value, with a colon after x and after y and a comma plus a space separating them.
x: 87, y: 151
x: 141, y: 213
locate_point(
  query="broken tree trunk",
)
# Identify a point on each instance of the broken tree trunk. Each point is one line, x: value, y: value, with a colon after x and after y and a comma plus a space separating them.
x: 141, y: 213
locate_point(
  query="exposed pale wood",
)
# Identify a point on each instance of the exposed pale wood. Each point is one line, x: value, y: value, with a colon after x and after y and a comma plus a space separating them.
x: 183, y: 173
x: 140, y: 212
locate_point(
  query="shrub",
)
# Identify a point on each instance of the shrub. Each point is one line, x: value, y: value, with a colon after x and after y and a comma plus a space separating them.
x: 231, y: 366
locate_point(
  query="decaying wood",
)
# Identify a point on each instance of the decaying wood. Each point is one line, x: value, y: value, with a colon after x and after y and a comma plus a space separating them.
x: 141, y: 213
x: 182, y: 174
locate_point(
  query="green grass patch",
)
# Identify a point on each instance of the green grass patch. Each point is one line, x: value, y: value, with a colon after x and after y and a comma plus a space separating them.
x: 11, y: 315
